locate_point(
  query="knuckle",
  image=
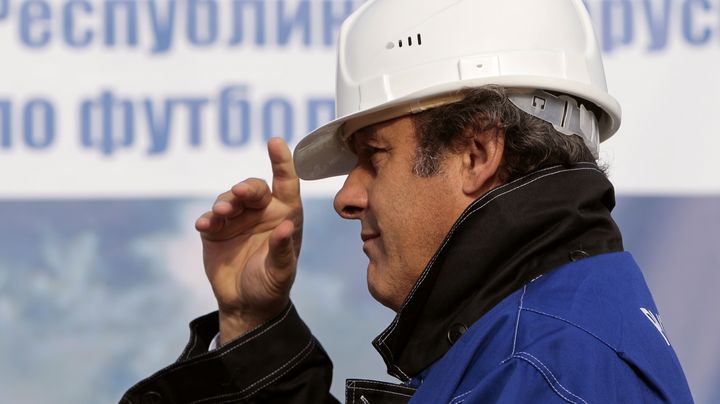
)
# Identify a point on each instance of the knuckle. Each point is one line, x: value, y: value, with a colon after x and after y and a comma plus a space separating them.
x: 224, y: 196
x: 254, y: 184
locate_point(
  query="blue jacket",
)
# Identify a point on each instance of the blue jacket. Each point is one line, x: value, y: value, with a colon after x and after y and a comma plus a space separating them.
x: 588, y: 332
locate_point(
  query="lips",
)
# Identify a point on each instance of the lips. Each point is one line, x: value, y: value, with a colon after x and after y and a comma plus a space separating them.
x: 369, y: 236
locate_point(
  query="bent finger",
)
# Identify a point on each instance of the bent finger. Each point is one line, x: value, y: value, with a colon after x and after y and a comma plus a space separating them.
x: 227, y: 204
x: 252, y: 193
x: 209, y: 223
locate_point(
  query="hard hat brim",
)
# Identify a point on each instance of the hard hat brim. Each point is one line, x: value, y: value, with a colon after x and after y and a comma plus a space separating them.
x: 323, y: 153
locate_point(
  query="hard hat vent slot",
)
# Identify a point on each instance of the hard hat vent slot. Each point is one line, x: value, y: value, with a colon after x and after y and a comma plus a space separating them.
x: 409, y: 42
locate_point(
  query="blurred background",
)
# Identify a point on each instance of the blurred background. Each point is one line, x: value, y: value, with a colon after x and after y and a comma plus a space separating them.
x: 120, y: 120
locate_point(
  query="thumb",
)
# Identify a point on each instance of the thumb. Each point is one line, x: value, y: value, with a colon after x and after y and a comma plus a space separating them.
x: 281, y: 258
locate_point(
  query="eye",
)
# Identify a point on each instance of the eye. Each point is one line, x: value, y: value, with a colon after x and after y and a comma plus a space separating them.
x: 371, y: 151
x: 374, y: 155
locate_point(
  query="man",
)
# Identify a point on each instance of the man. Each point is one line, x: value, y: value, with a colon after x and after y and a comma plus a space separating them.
x: 469, y: 132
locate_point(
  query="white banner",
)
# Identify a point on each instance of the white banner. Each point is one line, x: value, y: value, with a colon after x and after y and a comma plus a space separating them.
x: 123, y: 98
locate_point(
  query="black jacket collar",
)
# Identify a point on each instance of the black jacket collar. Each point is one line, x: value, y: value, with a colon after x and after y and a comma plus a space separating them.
x: 504, y: 239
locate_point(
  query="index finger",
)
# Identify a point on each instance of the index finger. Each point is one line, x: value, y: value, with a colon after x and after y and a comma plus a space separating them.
x: 285, y: 184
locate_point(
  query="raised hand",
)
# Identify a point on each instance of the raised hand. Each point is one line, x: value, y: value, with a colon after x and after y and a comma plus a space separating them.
x: 251, y: 240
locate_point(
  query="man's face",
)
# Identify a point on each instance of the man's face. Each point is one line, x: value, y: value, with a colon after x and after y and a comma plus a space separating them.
x: 404, y: 217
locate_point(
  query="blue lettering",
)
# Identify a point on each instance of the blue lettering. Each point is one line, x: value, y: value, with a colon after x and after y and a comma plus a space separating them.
x: 163, y: 29
x: 123, y: 23
x: 159, y: 127
x: 234, y: 116
x: 5, y: 119
x: 72, y: 38
x: 109, y: 109
x: 39, y: 113
x: 332, y: 21
x: 239, y: 21
x: 692, y: 35
x: 301, y: 20
x: 111, y: 18
x: 31, y: 12
x: 610, y: 10
x: 196, y: 9
x: 159, y: 122
x: 320, y: 111
x: 658, y: 24
x: 272, y: 108
x: 195, y: 107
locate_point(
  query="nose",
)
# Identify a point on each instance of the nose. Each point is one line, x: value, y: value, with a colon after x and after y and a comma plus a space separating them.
x: 352, y: 199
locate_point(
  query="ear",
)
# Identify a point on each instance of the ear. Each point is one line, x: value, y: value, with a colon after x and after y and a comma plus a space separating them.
x: 481, y: 162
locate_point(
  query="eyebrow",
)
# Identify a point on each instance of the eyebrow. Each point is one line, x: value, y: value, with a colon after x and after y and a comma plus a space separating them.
x: 368, y: 134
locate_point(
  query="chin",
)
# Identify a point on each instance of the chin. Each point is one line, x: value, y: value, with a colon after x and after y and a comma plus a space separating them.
x: 385, y: 300
x: 381, y: 291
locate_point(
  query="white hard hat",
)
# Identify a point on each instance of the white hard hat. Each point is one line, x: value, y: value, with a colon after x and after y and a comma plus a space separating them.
x: 397, y: 57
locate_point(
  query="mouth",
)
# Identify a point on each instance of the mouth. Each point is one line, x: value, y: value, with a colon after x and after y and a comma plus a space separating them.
x: 368, y: 236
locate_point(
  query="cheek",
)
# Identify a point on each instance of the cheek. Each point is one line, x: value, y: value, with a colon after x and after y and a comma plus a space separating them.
x: 430, y: 212
x: 403, y: 221
x: 393, y: 209
x: 413, y: 213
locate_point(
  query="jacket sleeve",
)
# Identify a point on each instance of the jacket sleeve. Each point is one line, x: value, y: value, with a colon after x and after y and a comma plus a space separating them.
x: 278, y: 362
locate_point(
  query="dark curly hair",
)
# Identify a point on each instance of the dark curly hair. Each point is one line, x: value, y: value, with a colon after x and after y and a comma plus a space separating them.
x: 530, y: 143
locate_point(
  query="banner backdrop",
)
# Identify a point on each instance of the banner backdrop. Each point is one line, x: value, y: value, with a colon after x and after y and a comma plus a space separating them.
x: 158, y: 98
x: 121, y: 119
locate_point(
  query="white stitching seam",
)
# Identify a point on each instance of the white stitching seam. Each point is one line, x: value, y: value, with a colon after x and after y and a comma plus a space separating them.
x: 189, y: 347
x: 270, y: 327
x: 460, y: 397
x: 403, y: 373
x: 382, y: 391
x: 211, y: 355
x: 517, y: 321
x: 572, y: 324
x: 195, y: 341
x: 519, y: 355
x: 545, y: 377
x: 350, y: 388
x: 239, y: 395
x: 391, y: 385
x: 482, y: 203
x: 553, y: 376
